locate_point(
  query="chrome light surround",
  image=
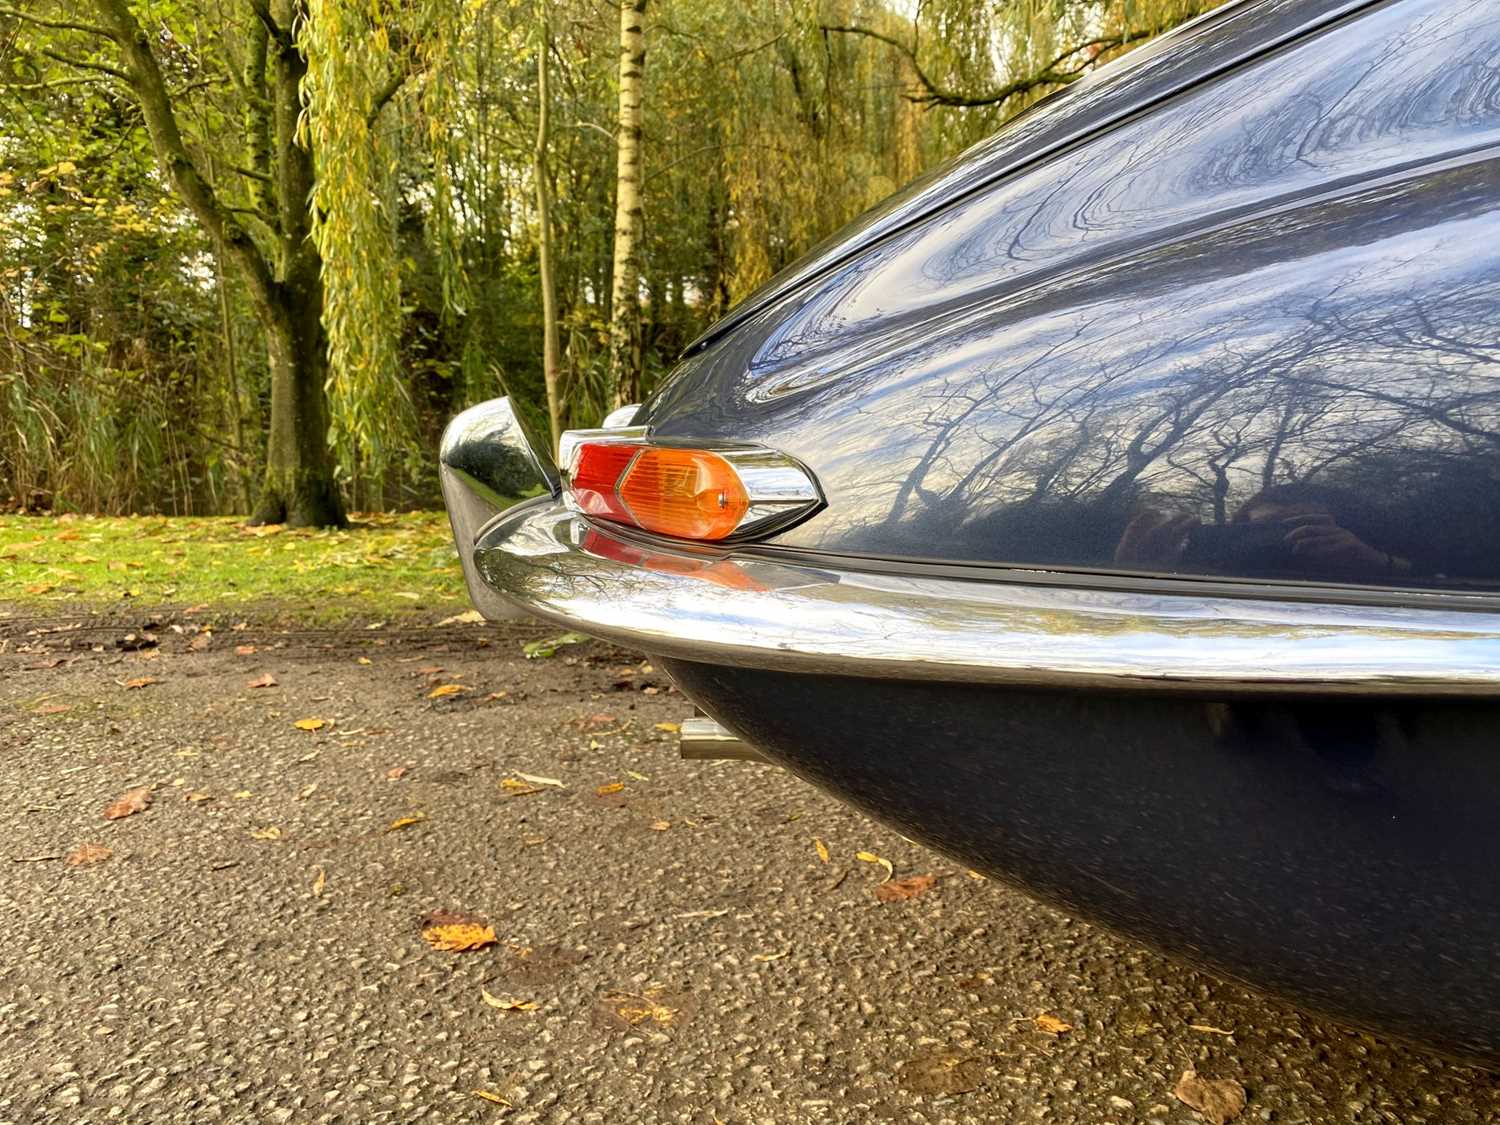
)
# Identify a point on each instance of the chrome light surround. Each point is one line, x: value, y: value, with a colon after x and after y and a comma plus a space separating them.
x: 782, y: 491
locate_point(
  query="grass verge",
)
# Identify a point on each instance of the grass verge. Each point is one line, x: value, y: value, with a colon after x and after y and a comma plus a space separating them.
x: 381, y: 566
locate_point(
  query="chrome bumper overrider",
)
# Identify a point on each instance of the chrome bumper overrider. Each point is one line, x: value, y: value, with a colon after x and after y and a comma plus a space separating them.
x: 742, y: 609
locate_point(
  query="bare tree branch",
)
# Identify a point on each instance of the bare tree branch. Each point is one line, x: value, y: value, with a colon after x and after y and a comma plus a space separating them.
x: 56, y: 25
x: 114, y: 72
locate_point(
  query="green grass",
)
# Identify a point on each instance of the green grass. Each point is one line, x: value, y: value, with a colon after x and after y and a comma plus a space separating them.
x: 381, y: 566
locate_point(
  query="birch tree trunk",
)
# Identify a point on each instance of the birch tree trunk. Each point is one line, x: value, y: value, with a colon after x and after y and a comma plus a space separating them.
x: 625, y: 305
x: 551, y: 362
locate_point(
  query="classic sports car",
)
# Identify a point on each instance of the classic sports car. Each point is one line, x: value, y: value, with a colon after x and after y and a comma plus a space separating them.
x: 1116, y: 510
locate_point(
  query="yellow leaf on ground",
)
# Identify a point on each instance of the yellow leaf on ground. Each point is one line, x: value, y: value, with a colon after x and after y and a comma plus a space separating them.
x: 871, y: 857
x: 270, y: 832
x: 364, y: 660
x: 319, y: 882
x: 612, y: 787
x: 660, y: 825
x: 821, y: 848
x: 490, y: 1097
x: 518, y: 788
x: 763, y: 958
x: 537, y: 779
x: 507, y: 1004
x: 88, y: 853
x: 1051, y: 1025
x: 443, y: 690
x: 307, y: 791
x: 452, y: 933
x: 670, y: 728
x: 197, y: 798
x: 310, y: 724
x: 405, y: 822
x: 266, y: 680
x: 128, y: 803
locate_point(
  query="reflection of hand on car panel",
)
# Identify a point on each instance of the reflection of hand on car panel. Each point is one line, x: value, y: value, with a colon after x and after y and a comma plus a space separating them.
x: 1154, y: 539
x: 1317, y: 536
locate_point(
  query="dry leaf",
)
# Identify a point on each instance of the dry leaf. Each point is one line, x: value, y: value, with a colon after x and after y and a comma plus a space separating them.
x: 660, y: 825
x: 444, y: 690
x: 395, y: 773
x: 518, y: 788
x: 128, y: 803
x: 405, y: 822
x: 942, y: 1074
x: 319, y: 882
x: 490, y: 1097
x: 267, y: 680
x: 201, y: 642
x: 310, y: 724
x: 1051, y: 1025
x: 506, y: 1004
x: 307, y: 791
x: 140, y: 682
x: 897, y: 890
x: 1209, y: 1029
x: 670, y: 728
x: 453, y: 933
x: 1217, y: 1100
x: 763, y: 958
x: 536, y: 779
x: 197, y: 798
x: 244, y: 650
x: 635, y: 1009
x: 821, y: 848
x: 270, y: 832
x: 54, y: 708
x: 871, y: 857
x: 88, y: 853
x: 364, y: 660
x: 612, y: 787
x: 469, y: 617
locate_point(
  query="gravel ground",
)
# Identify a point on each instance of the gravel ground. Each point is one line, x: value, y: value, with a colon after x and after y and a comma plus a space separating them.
x: 251, y: 949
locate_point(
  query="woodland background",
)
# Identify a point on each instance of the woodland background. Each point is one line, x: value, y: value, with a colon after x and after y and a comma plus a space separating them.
x: 254, y: 253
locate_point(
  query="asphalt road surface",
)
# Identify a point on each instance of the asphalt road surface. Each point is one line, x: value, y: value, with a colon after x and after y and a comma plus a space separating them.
x: 669, y: 945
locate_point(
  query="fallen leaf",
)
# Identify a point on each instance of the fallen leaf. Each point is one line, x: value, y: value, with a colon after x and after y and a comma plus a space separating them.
x: 637, y: 776
x: 307, y: 791
x: 201, y: 642
x: 270, y: 832
x: 243, y: 795
x: 670, y: 728
x: 310, y: 724
x: 506, y: 1004
x: 1208, y: 1029
x: 54, y: 708
x: 1051, y: 1025
x: 1217, y: 1100
x: 40, y: 588
x: 319, y: 882
x: 821, y: 848
x: 612, y: 787
x: 871, y: 857
x: 763, y: 958
x: 470, y: 617
x: 660, y: 825
x: 140, y: 682
x: 395, y: 773
x: 453, y: 933
x: 539, y: 650
x: 405, y: 822
x: 267, y: 680
x: 88, y: 853
x: 490, y: 1097
x: 898, y: 890
x: 197, y: 798
x: 117, y: 564
x: 364, y: 660
x: 244, y: 650
x: 645, y: 1008
x: 517, y: 788
x: 444, y: 690
x: 536, y: 779
x: 976, y: 876
x: 942, y: 1074
x: 128, y: 803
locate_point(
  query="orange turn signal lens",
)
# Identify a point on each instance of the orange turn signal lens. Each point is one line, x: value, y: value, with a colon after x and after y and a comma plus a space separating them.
x: 687, y: 493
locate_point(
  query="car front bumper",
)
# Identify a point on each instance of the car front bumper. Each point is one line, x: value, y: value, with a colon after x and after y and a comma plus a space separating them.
x: 751, y: 608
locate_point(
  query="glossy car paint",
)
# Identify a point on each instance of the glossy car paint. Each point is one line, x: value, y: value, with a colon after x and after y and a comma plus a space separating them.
x: 1231, y: 287
x: 1341, y: 854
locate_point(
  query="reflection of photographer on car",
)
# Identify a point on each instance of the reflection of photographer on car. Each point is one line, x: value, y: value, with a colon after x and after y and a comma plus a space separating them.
x: 1291, y: 530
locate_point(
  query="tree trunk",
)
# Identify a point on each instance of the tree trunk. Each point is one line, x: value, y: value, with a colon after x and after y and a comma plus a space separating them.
x: 298, y: 488
x: 551, y: 360
x: 625, y: 304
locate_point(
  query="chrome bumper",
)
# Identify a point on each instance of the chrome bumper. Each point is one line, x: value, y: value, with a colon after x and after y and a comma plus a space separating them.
x: 739, y: 608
